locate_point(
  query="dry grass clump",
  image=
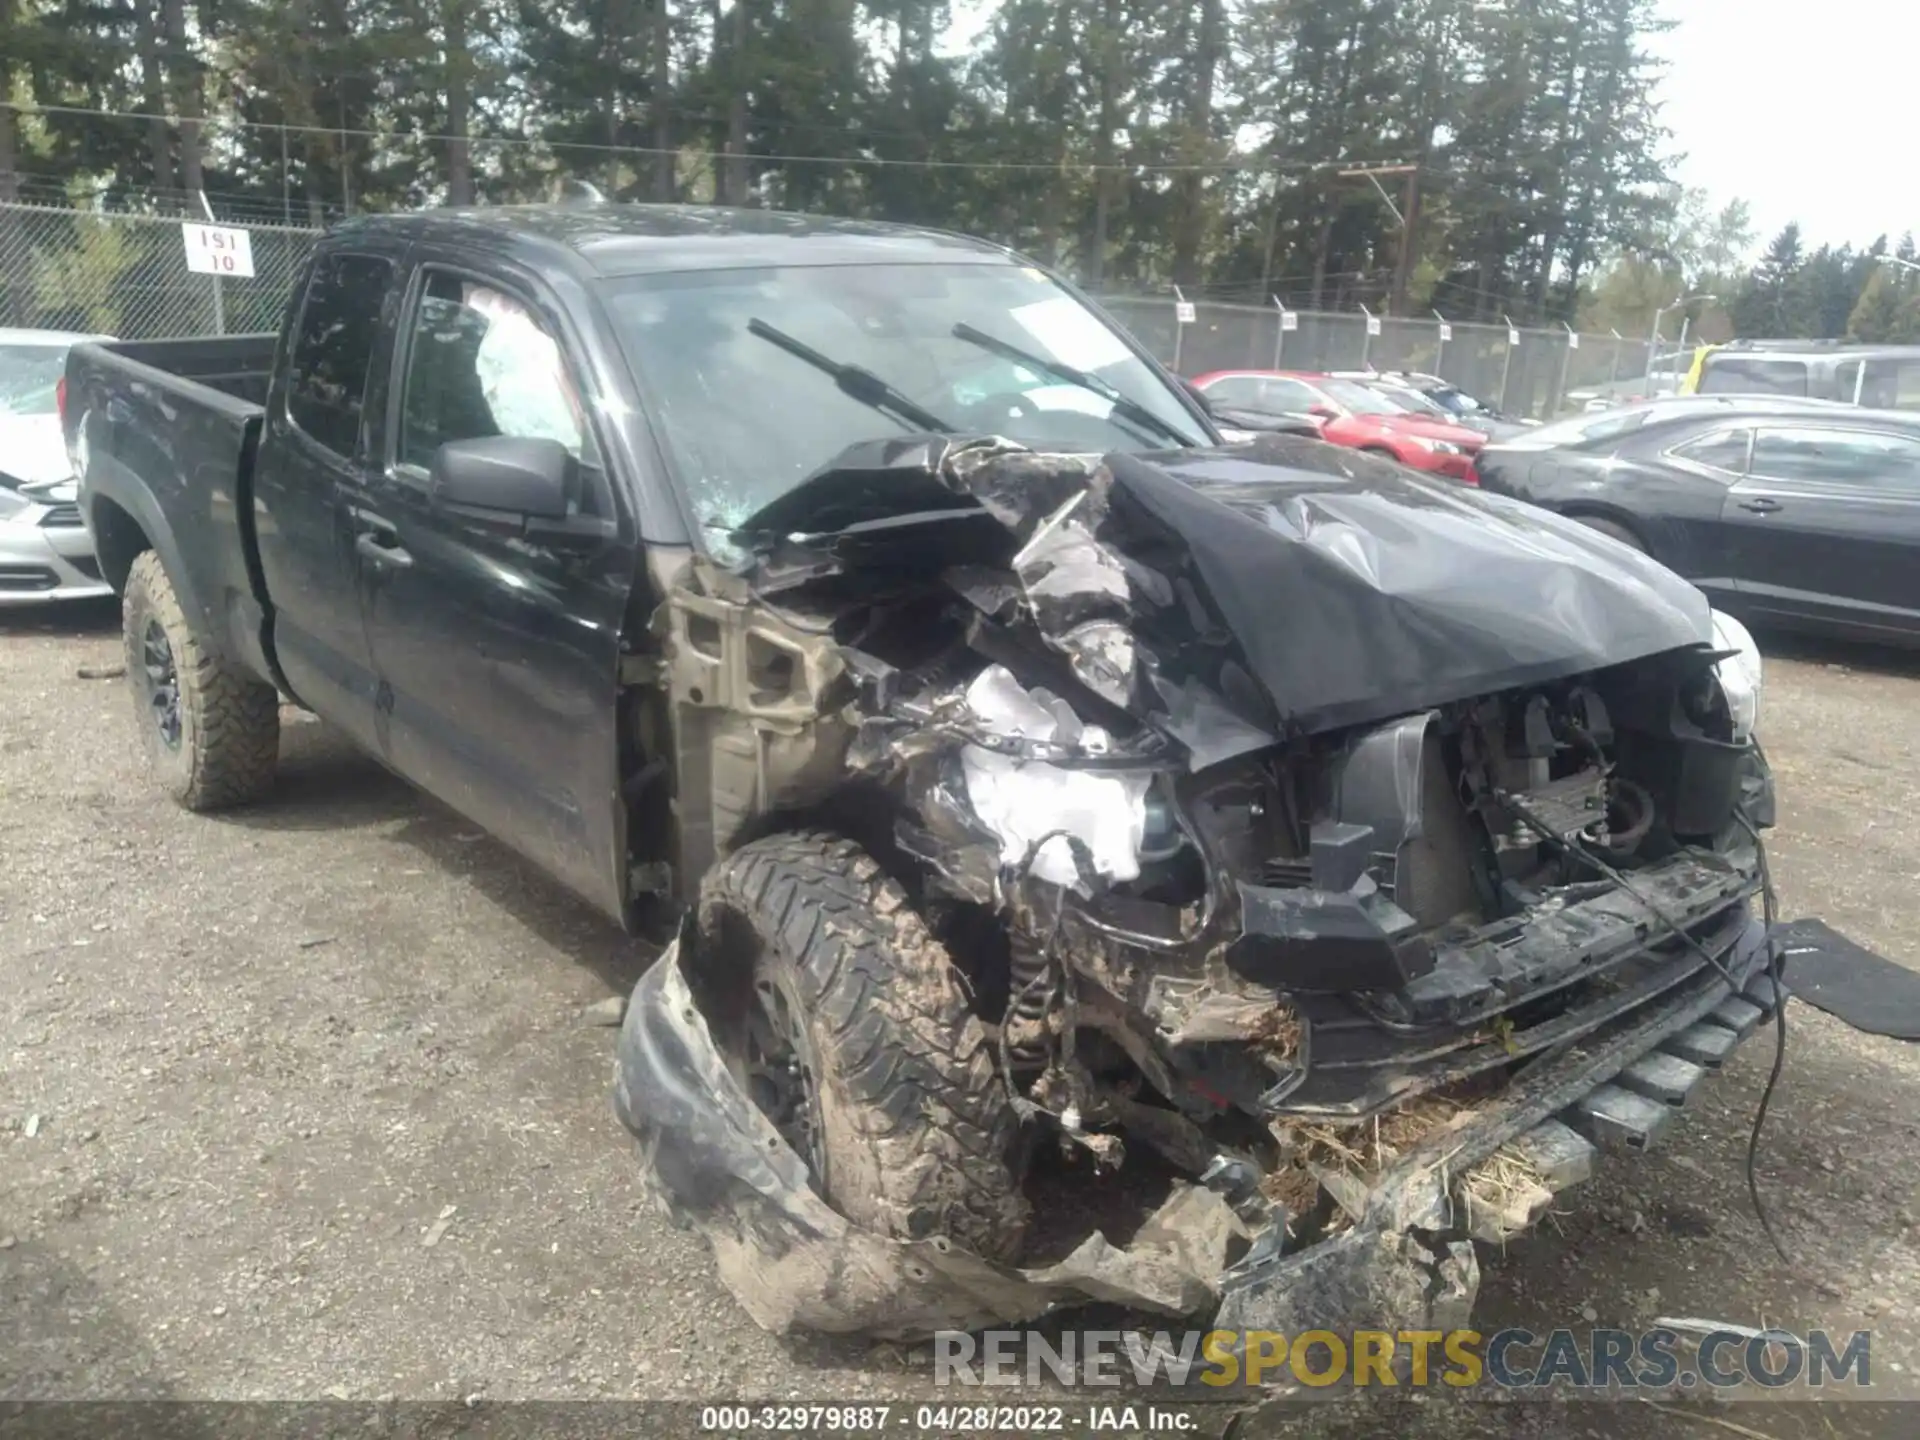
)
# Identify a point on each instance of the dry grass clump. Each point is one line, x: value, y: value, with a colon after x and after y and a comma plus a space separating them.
x: 1278, y: 1033
x: 1501, y: 1195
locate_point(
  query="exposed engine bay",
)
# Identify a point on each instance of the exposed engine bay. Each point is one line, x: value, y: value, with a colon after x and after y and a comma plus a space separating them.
x: 1286, y: 816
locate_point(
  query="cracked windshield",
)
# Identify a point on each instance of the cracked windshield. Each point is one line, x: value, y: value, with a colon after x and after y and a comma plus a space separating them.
x: 917, y: 348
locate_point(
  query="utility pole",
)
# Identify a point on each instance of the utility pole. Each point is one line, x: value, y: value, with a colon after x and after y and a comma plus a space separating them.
x: 1403, y: 218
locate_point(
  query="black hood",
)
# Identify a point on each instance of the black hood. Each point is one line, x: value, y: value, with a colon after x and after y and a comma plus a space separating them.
x: 1310, y: 588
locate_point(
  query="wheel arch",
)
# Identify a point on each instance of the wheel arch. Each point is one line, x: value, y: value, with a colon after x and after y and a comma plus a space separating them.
x: 1613, y: 515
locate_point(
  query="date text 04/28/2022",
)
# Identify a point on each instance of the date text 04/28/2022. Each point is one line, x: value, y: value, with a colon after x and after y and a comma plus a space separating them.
x: 944, y: 1419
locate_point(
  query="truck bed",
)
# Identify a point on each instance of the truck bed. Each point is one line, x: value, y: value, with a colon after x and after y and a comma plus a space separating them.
x: 167, y: 431
x: 239, y: 366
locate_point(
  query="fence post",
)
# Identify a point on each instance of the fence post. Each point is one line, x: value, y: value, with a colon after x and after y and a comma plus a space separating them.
x: 1440, y: 345
x: 1506, y: 365
x: 1566, y: 364
x: 1613, y: 370
x: 1279, y: 330
x: 1366, y: 336
x: 1180, y: 312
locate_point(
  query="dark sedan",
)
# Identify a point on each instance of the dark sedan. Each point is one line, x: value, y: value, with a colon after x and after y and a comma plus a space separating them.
x: 1800, y: 514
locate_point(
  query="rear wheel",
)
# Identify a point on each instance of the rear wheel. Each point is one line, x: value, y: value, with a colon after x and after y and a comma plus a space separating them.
x: 850, y: 1028
x: 210, y: 730
x: 1614, y: 529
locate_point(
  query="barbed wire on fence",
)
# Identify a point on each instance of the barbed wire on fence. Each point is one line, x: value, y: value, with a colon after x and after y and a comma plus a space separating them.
x: 126, y: 274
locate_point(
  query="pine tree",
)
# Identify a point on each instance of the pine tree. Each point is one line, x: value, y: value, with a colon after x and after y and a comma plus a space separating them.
x: 1876, y: 318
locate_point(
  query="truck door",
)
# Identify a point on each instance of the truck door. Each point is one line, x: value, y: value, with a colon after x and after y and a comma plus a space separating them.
x: 314, y: 452
x: 496, y: 642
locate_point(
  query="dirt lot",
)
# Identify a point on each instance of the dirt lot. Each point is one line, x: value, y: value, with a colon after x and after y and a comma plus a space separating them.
x: 264, y: 1057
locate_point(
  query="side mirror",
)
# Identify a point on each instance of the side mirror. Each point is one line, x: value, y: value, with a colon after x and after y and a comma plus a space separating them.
x: 510, y: 474
x: 1323, y: 412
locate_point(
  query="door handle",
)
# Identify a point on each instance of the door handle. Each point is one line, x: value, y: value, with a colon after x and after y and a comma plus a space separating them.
x: 382, y: 547
x: 1760, y: 505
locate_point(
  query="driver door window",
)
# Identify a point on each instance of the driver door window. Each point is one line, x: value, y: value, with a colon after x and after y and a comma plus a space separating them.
x: 481, y: 363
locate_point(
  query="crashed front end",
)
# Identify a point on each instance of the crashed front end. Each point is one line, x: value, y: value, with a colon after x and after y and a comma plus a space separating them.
x: 1352, y: 850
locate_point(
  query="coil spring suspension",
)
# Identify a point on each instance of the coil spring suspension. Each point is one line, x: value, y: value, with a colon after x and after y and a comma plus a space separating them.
x: 1029, y: 998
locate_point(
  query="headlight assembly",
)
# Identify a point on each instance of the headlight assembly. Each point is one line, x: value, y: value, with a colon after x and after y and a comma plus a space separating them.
x: 1740, y: 674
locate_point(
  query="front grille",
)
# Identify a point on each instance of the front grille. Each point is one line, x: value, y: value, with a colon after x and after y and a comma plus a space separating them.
x: 27, y: 578
x: 65, y: 515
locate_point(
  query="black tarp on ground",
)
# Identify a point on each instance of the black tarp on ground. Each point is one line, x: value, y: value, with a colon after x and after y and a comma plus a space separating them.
x: 1850, y: 982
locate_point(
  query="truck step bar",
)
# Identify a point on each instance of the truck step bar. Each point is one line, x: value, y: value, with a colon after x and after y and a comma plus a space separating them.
x: 1633, y: 1109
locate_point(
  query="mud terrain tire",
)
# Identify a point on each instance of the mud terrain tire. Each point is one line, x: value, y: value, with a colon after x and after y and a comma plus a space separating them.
x: 915, y: 1134
x: 210, y: 731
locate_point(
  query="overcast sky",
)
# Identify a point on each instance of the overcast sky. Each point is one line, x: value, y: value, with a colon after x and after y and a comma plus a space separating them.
x: 1804, y: 108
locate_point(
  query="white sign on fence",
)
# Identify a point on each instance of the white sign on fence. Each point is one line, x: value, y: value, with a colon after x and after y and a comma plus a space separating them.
x: 1183, y: 312
x: 1289, y: 320
x: 1513, y: 337
x: 1573, y: 340
x: 1373, y: 324
x: 1446, y: 332
x: 218, y: 250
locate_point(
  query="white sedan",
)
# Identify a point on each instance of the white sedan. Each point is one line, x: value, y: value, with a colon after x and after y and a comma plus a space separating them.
x: 45, y: 551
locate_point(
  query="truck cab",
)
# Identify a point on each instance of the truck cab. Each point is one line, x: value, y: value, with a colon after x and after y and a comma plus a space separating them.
x: 438, y: 510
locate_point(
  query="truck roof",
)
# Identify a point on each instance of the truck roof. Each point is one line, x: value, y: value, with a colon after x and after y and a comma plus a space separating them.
x: 619, y: 239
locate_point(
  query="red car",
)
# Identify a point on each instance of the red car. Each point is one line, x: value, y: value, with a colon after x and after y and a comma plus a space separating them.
x: 1349, y: 414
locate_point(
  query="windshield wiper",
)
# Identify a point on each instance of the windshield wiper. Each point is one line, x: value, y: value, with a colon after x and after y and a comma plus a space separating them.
x: 860, y: 384
x: 1132, y: 409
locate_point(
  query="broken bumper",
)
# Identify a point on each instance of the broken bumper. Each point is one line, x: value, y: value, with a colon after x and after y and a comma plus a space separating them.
x: 794, y: 1263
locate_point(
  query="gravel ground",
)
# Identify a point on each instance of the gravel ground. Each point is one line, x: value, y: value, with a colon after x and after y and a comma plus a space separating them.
x: 300, y: 1102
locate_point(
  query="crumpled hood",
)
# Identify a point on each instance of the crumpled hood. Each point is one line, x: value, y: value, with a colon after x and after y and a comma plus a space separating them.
x: 1360, y: 590
x: 1305, y: 587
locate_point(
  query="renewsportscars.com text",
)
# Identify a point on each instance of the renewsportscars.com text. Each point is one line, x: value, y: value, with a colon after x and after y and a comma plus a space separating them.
x: 1514, y: 1359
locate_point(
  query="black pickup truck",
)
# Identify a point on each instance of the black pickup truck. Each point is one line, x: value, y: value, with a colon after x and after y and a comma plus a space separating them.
x: 1034, y: 787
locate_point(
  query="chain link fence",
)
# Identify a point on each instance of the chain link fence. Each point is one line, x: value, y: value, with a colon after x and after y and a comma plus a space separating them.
x: 127, y: 275
x: 1526, y: 372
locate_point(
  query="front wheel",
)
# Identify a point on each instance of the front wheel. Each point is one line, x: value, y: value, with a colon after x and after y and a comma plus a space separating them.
x: 210, y: 730
x: 850, y: 1028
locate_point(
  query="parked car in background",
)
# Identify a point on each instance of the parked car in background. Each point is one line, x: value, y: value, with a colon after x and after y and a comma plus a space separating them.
x: 1466, y: 409
x: 45, y: 553
x: 1875, y: 377
x: 1237, y: 425
x: 1350, y: 414
x: 1797, y: 513
x: 1402, y: 391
